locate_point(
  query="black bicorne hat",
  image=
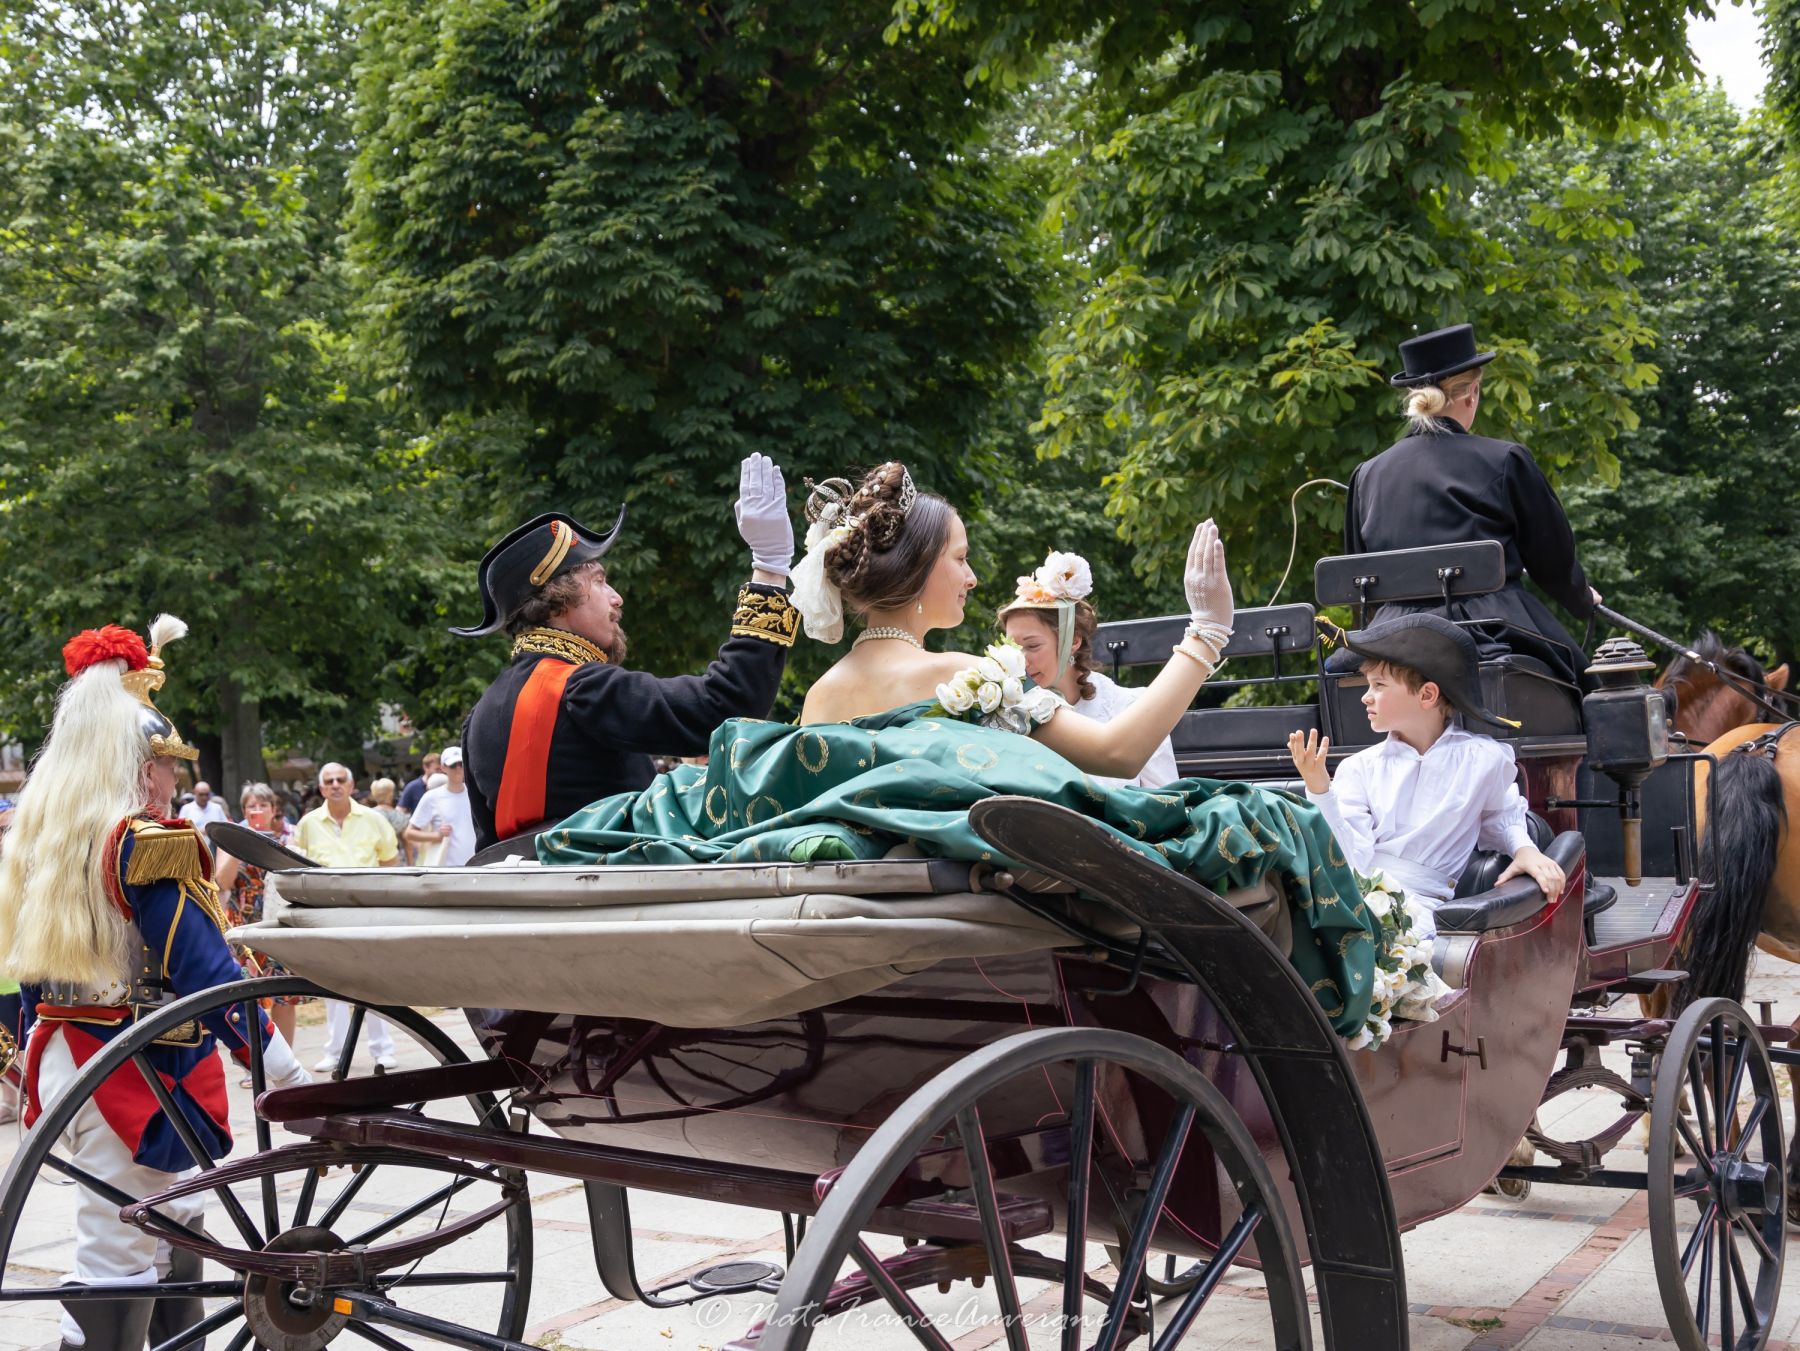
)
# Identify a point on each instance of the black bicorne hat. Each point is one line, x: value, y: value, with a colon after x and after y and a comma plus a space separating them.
x: 544, y: 547
x: 1440, y: 651
x: 1436, y: 356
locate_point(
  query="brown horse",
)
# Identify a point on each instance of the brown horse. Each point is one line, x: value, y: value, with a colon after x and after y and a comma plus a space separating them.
x: 1706, y: 706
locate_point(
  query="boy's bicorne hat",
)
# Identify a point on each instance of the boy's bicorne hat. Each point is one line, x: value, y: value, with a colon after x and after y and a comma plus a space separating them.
x: 1440, y: 651
x: 544, y: 547
x: 1438, y: 355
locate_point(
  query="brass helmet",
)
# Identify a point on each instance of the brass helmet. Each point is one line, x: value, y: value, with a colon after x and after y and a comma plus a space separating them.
x: 143, y: 674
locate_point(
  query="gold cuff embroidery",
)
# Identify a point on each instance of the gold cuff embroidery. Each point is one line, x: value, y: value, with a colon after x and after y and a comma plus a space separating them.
x: 766, y: 615
x: 557, y: 643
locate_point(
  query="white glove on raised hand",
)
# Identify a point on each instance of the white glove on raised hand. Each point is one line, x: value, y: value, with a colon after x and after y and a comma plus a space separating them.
x: 762, y: 515
x: 1206, y: 582
x: 281, y: 1069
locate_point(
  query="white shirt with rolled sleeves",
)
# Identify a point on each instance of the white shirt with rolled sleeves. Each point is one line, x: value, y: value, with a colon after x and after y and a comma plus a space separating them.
x: 1421, y: 817
x: 1108, y: 700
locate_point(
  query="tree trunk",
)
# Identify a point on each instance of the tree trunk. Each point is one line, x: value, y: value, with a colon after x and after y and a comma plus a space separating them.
x: 206, y: 768
x: 240, y: 736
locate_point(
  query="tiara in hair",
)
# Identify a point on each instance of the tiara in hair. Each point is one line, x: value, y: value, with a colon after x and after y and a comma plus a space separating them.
x: 908, y: 493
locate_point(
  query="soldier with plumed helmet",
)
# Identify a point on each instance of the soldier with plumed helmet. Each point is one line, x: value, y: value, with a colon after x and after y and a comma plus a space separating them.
x: 108, y: 911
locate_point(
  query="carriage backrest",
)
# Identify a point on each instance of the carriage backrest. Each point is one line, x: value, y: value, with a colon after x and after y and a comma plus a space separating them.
x: 1268, y: 631
x: 1436, y: 572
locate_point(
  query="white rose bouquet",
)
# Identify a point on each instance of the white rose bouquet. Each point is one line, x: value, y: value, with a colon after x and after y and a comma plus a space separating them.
x: 1405, y: 985
x: 992, y: 693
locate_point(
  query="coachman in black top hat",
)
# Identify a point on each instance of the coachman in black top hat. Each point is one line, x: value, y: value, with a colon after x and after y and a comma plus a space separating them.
x: 1442, y: 484
x: 566, y: 722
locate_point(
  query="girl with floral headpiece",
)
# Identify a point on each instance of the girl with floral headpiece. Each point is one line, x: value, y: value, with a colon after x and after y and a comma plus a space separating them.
x: 1053, y: 623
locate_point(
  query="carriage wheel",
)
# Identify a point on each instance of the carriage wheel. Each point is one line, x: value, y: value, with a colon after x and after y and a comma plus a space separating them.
x: 946, y: 1114
x: 1718, y: 1196
x: 484, y: 1274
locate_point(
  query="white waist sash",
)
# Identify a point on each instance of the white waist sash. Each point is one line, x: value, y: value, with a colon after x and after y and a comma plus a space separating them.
x: 1425, y: 885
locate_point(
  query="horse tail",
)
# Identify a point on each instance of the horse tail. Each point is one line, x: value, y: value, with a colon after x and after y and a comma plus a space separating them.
x: 1737, y: 859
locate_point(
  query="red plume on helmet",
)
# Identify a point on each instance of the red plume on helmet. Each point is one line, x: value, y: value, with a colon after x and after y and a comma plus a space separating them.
x: 107, y: 643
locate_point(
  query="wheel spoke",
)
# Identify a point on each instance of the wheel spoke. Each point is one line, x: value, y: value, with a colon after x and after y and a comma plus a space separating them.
x: 419, y: 1279
x: 351, y: 1035
x: 251, y: 1012
x: 902, y: 1303
x: 1081, y: 1164
x: 417, y: 1208
x: 1727, y: 1323
x: 1740, y: 1283
x: 1232, y: 1244
x: 347, y: 1195
x: 197, y: 1151
x: 1717, y: 1065
x: 1698, y: 1101
x: 1702, y: 1156
x: 1757, y: 1112
x: 1755, y: 1235
x: 993, y: 1234
x: 1696, y: 1238
x: 374, y: 1334
x: 109, y: 1192
x: 1112, y: 1326
x: 215, y: 1320
x: 242, y: 1340
x: 1703, y: 1305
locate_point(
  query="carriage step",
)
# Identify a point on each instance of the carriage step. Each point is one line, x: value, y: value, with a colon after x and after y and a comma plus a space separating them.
x: 1646, y: 982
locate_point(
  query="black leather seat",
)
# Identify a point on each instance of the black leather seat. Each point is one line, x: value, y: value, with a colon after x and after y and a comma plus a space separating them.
x: 1486, y: 865
x: 1519, y: 899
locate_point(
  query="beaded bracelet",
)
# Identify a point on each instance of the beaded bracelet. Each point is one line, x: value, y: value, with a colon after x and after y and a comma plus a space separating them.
x: 1207, y: 666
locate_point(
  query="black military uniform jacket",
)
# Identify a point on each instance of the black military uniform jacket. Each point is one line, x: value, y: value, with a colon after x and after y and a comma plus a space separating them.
x: 1451, y: 488
x: 540, y: 745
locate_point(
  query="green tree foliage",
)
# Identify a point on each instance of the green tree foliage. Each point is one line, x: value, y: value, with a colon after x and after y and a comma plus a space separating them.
x: 1270, y: 197
x: 616, y: 247
x: 181, y: 428
x: 1703, y: 527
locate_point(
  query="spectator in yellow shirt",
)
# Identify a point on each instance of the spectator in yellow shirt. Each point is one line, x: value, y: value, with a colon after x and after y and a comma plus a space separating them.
x: 342, y: 833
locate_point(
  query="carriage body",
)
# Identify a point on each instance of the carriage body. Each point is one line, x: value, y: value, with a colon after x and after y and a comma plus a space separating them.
x: 754, y: 1033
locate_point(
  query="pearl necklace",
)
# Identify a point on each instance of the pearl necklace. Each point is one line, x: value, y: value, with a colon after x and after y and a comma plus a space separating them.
x: 887, y: 631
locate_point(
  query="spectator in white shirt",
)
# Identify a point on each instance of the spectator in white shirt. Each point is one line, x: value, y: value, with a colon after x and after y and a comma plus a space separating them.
x: 205, y: 808
x: 1419, y: 803
x: 443, y: 816
x: 1052, y: 621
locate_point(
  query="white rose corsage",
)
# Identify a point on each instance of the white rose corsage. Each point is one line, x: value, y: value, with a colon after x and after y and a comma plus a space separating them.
x: 1405, y: 985
x: 992, y: 693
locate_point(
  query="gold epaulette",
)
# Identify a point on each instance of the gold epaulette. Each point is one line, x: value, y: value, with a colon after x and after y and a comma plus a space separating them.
x: 164, y: 851
x: 766, y: 615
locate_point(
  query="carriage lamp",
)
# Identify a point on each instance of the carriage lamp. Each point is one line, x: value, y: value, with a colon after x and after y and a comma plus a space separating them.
x: 1627, y: 736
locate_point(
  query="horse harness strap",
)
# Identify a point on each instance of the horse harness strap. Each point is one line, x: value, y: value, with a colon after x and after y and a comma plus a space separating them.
x: 1769, y: 743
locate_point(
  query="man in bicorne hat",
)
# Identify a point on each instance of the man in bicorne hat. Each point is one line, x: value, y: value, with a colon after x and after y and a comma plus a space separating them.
x: 1444, y: 485
x: 566, y: 722
x: 108, y: 910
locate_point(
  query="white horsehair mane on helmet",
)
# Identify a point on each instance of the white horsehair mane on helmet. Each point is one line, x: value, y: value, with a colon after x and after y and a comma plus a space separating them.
x: 57, y: 921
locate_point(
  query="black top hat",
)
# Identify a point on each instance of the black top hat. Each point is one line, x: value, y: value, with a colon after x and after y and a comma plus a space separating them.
x: 1440, y: 651
x: 544, y: 547
x: 1436, y: 356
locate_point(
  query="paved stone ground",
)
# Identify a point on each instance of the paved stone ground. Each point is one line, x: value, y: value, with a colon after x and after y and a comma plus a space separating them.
x: 1567, y: 1269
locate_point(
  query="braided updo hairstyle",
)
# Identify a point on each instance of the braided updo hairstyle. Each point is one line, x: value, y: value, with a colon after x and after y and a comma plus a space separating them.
x: 887, y: 559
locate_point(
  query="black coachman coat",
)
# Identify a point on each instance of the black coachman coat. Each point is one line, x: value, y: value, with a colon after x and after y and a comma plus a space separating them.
x: 610, y: 719
x: 1451, y: 488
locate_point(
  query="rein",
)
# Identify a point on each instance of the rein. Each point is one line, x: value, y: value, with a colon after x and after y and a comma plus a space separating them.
x: 1759, y: 694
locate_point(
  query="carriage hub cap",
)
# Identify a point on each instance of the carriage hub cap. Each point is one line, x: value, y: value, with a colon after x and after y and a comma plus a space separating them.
x: 281, y: 1324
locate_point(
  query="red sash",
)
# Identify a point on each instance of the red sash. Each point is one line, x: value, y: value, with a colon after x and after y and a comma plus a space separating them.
x: 524, y: 777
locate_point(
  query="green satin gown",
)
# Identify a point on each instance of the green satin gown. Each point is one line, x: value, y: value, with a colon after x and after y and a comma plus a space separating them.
x: 772, y: 792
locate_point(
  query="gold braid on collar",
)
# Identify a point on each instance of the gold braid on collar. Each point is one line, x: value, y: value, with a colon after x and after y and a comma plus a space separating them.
x: 557, y: 643
x: 766, y: 615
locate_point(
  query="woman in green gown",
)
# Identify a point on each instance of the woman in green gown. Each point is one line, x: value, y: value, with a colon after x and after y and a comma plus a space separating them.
x: 888, y: 751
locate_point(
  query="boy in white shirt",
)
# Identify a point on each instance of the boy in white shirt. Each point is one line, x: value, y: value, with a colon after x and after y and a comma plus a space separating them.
x: 1418, y: 804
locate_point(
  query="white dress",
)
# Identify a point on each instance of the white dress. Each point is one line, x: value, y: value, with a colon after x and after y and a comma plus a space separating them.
x: 1108, y: 701
x: 1420, y: 817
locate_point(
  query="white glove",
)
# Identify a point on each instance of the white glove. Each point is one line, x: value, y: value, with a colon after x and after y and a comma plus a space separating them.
x: 281, y: 1068
x: 1210, y: 607
x: 762, y: 515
